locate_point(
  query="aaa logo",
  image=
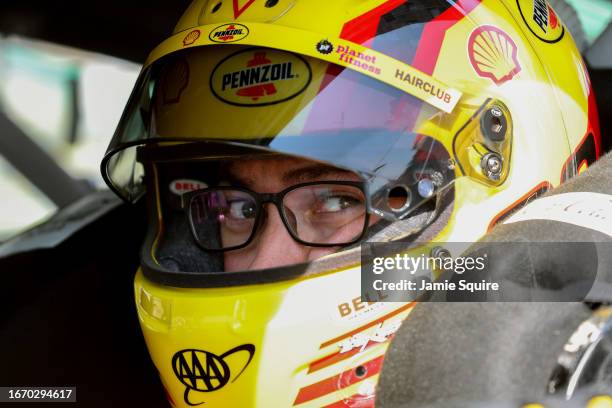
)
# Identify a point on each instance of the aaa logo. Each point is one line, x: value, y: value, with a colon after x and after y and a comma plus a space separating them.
x: 203, y: 371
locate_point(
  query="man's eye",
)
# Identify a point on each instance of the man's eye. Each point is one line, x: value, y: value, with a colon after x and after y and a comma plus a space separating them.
x: 242, y: 209
x: 337, y: 203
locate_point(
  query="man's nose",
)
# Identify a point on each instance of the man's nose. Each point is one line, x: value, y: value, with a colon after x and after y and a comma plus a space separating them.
x: 274, y: 245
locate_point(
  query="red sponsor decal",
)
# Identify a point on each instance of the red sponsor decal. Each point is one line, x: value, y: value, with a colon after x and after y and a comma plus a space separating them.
x: 493, y: 54
x: 553, y: 21
x: 257, y: 91
x: 238, y: 10
x: 340, y: 381
x: 182, y: 186
x: 229, y: 36
x: 191, y: 37
x: 354, y: 401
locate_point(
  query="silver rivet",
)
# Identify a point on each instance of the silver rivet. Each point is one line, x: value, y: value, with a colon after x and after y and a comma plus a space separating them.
x: 426, y: 188
x: 492, y: 165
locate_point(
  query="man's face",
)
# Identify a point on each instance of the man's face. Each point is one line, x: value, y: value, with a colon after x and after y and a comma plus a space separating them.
x: 273, y: 246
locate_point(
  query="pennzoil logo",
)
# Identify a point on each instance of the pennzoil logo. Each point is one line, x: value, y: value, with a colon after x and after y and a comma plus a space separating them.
x: 258, y: 77
x: 228, y: 33
x: 493, y: 54
x: 203, y: 371
x: 541, y: 20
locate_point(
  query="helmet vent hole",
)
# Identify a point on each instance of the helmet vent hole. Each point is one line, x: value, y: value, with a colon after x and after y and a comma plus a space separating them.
x: 361, y: 371
x: 271, y: 3
x: 399, y: 198
x: 217, y: 7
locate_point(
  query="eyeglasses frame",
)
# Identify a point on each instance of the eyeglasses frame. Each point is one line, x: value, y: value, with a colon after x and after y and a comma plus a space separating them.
x: 277, y: 200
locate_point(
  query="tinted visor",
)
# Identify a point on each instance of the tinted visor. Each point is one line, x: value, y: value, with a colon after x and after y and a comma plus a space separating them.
x: 272, y: 100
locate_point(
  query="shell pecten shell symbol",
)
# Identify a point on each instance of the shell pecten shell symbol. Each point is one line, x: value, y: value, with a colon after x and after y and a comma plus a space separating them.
x: 493, y: 54
x: 191, y: 37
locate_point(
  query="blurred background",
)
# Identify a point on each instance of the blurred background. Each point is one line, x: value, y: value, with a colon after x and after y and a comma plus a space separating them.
x: 67, y: 69
x: 68, y: 102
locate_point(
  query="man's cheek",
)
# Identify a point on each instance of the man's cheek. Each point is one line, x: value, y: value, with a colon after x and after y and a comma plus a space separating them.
x: 317, y: 253
x: 238, y: 260
x: 351, y: 230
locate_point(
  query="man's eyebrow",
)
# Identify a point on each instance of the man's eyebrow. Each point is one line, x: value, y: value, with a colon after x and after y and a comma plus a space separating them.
x: 304, y: 174
x: 236, y: 180
x: 314, y: 172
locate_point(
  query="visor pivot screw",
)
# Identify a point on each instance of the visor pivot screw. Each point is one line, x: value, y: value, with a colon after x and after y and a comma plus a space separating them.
x: 440, y: 252
x: 494, y: 124
x: 492, y: 166
x: 426, y: 188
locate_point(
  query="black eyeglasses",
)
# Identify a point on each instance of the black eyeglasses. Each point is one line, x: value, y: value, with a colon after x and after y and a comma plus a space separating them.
x: 319, y: 214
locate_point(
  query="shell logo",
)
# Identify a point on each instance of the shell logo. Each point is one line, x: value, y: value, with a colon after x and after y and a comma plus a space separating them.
x: 174, y: 80
x: 259, y: 77
x: 541, y: 20
x: 191, y: 38
x: 493, y: 54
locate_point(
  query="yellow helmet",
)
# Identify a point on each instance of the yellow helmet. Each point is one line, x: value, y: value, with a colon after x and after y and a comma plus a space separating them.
x: 461, y: 110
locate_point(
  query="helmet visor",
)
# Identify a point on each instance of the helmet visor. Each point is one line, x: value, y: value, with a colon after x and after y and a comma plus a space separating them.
x: 273, y: 100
